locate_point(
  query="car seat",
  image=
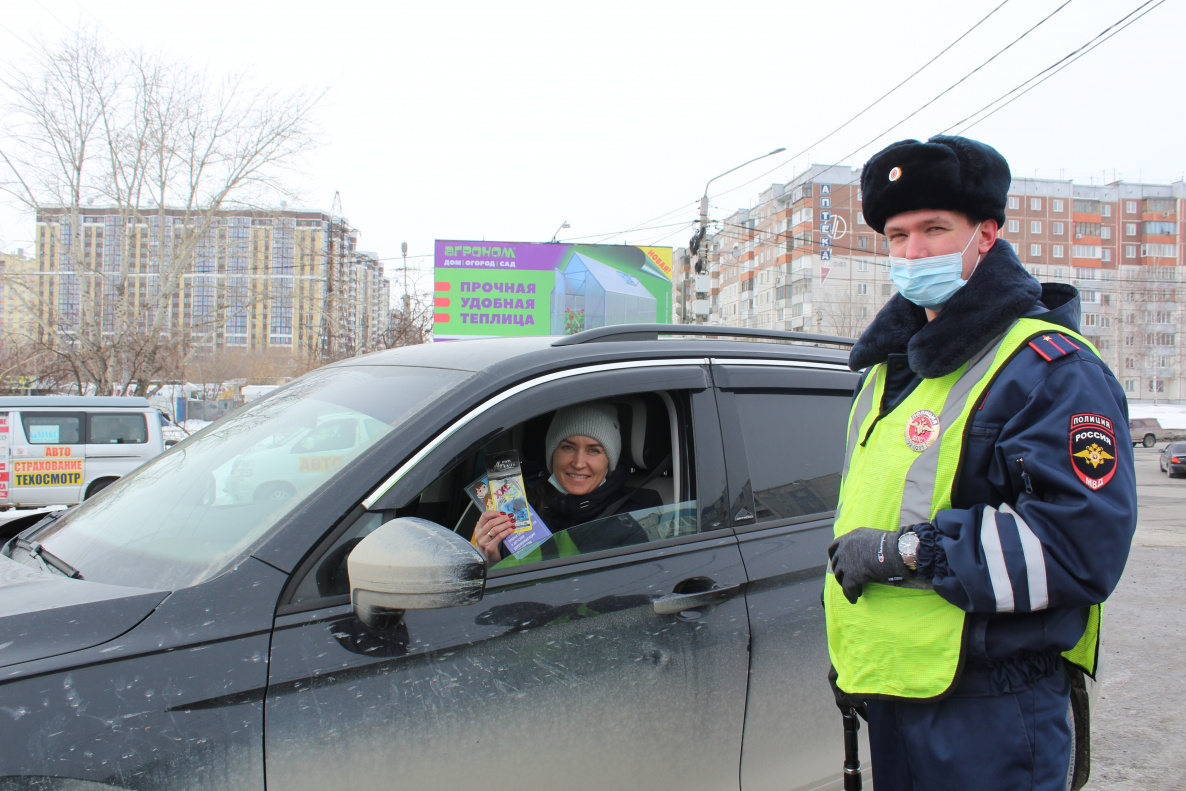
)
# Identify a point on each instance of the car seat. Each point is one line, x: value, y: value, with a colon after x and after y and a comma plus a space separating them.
x: 647, y: 439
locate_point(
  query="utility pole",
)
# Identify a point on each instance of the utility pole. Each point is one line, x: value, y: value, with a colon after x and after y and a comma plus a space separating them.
x: 404, y: 248
x: 696, y: 245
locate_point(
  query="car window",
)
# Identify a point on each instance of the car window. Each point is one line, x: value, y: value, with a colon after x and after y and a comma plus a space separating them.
x: 116, y: 429
x: 660, y: 478
x: 191, y: 512
x: 794, y: 444
x: 59, y: 429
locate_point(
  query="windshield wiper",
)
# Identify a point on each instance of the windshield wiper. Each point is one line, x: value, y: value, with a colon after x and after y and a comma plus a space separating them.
x: 48, y: 558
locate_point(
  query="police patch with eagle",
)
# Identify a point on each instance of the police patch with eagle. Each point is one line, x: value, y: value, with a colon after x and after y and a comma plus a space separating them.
x: 1093, y: 449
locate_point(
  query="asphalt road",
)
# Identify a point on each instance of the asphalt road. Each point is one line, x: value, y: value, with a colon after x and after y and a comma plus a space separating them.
x: 1139, y: 732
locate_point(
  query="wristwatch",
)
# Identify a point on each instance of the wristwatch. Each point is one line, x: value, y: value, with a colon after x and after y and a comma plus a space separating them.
x: 908, y: 549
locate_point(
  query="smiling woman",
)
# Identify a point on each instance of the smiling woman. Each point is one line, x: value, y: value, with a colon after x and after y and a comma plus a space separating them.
x: 582, y: 450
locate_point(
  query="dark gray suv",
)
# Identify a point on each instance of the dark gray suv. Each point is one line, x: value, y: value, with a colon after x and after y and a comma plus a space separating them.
x: 290, y: 599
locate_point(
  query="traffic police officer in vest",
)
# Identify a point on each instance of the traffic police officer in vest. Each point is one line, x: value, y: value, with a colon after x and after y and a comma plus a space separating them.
x: 988, y: 499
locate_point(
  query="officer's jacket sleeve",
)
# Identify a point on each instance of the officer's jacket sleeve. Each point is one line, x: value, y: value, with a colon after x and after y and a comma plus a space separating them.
x: 1045, y: 494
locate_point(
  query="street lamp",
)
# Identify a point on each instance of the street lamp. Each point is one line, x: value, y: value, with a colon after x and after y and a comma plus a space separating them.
x: 558, y: 230
x: 698, y: 239
x: 404, y: 248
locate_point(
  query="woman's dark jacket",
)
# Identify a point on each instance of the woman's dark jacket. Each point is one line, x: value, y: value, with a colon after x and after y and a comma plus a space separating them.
x: 561, y: 511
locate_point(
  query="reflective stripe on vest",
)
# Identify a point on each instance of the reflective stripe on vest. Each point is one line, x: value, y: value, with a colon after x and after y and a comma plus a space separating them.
x: 900, y: 641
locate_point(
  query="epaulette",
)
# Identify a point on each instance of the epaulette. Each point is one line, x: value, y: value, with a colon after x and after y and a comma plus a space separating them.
x: 1053, y: 345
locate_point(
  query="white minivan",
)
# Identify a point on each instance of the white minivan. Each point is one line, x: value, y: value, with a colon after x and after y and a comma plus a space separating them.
x: 60, y: 450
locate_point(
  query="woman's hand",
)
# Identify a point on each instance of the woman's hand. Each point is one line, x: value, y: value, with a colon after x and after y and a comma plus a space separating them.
x: 492, y: 528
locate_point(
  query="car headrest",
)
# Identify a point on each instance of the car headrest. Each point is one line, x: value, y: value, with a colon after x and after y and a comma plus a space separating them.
x: 649, y: 439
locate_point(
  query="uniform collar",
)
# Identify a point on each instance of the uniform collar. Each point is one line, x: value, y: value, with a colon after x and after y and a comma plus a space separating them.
x: 999, y: 292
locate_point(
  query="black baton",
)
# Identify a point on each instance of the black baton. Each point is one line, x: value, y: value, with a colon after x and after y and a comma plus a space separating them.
x: 852, y: 759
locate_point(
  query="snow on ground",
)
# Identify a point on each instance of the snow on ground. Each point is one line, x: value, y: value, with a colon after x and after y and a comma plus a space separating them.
x: 194, y: 426
x: 1168, y: 415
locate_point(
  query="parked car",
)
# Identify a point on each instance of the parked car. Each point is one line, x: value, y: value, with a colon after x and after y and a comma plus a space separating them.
x: 1173, y: 459
x: 60, y: 450
x: 150, y: 633
x: 1145, y: 431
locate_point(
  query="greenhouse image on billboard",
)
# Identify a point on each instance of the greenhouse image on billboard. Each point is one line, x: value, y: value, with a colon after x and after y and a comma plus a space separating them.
x: 591, y: 294
x: 490, y: 289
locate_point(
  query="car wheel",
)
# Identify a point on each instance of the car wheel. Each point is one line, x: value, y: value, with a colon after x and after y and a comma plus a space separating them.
x: 98, y: 486
x: 273, y: 493
x: 1149, y: 441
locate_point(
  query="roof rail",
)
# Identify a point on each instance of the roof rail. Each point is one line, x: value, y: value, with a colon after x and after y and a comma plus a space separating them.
x: 651, y: 332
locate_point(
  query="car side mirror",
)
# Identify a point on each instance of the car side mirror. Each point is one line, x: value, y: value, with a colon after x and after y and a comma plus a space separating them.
x: 412, y: 564
x: 170, y: 443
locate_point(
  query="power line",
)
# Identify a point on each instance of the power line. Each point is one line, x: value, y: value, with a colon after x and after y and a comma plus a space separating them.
x: 639, y: 227
x: 834, y: 131
x: 1065, y: 61
x: 576, y: 239
x: 51, y: 13
x: 871, y: 105
x: 686, y: 226
x: 961, y: 80
x: 847, y: 200
x: 945, y: 91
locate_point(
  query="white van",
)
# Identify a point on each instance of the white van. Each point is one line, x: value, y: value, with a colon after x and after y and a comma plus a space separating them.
x: 59, y: 450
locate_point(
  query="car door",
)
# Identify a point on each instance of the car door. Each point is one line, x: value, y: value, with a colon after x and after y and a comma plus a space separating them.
x: 567, y: 674
x: 49, y: 457
x: 787, y: 425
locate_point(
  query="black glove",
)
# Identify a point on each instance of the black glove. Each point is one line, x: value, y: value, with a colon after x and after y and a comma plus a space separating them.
x: 844, y: 701
x: 866, y: 555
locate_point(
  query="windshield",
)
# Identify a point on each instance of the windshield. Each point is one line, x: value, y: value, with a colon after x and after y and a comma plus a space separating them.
x: 187, y: 514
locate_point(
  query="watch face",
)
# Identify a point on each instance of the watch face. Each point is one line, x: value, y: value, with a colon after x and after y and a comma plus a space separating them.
x: 908, y: 547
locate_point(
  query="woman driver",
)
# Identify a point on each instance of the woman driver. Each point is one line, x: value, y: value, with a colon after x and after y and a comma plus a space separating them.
x: 582, y: 449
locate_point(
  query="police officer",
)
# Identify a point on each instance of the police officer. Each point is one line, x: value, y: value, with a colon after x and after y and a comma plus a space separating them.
x: 989, y: 495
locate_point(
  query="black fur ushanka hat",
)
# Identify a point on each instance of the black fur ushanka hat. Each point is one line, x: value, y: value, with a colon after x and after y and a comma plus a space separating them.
x: 952, y: 173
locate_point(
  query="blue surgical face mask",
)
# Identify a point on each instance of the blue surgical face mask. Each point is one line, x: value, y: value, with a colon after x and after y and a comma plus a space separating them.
x: 930, y: 282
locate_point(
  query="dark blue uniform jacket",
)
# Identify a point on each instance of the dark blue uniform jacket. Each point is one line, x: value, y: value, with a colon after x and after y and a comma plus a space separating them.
x: 1044, y: 506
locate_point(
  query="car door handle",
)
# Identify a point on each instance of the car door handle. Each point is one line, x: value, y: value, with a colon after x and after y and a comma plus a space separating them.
x: 674, y: 603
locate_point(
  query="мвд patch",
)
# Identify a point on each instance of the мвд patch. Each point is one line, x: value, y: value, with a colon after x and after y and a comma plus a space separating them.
x: 1093, y: 449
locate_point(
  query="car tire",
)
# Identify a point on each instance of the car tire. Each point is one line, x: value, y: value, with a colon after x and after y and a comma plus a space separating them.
x: 98, y: 486
x: 273, y: 492
x: 1149, y: 441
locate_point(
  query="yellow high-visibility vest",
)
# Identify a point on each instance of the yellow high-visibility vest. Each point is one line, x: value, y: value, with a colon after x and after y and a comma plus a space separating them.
x: 906, y: 642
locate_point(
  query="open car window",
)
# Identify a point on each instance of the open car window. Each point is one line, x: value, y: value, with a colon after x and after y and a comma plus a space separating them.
x: 656, y: 448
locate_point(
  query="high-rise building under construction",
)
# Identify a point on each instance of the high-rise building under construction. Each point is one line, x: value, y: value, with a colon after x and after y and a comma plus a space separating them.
x: 255, y: 280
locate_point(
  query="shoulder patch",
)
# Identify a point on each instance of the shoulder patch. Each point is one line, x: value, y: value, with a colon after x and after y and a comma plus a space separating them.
x: 1093, y: 449
x: 1053, y: 345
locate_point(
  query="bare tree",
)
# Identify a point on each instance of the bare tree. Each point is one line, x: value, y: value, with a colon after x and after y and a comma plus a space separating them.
x: 1147, y: 323
x: 410, y: 320
x: 172, y: 149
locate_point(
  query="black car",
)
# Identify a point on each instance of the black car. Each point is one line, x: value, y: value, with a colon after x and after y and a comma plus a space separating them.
x: 1173, y: 459
x: 289, y: 598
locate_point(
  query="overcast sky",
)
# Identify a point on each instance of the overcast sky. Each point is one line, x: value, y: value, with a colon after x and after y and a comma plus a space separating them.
x: 502, y: 120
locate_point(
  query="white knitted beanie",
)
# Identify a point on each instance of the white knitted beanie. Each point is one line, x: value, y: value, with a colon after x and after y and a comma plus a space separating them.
x: 595, y: 420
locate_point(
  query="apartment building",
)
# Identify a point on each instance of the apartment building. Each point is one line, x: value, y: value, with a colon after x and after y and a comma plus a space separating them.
x: 257, y: 280
x: 803, y: 259
x: 14, y: 318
